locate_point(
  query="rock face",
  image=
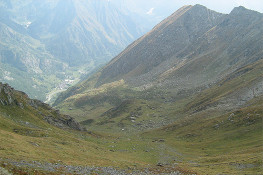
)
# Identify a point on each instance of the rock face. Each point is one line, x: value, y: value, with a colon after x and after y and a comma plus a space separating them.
x: 7, y: 95
x: 11, y: 97
x: 64, y: 122
x: 55, y: 118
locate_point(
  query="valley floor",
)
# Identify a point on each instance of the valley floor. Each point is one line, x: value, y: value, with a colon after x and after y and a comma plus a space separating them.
x: 208, y: 141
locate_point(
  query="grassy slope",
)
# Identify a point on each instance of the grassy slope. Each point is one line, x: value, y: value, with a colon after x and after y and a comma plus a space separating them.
x: 195, y: 143
x: 210, y: 140
x: 115, y: 103
x: 25, y: 136
x: 230, y: 143
x: 243, y: 78
x: 203, y: 139
x: 45, y: 143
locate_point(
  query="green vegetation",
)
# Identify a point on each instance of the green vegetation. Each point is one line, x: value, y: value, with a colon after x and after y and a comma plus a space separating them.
x: 209, y: 132
x: 25, y: 135
x: 132, y: 129
x: 228, y: 144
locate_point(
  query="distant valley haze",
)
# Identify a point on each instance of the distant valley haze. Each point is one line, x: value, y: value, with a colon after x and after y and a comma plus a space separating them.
x: 60, y: 42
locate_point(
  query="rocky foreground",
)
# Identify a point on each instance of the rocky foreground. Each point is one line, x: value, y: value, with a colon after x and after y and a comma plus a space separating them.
x: 35, y: 167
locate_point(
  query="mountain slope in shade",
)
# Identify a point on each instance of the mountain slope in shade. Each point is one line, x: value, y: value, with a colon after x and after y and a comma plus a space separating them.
x: 51, y: 44
x: 25, y: 63
x: 80, y: 31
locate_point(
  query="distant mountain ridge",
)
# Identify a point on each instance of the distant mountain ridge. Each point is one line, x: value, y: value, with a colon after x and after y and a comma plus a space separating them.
x: 80, y: 31
x: 67, y: 38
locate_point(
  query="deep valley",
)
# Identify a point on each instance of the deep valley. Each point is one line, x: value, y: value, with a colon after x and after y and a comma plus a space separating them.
x: 185, y: 98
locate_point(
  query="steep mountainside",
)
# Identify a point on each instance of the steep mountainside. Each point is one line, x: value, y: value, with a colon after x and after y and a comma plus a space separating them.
x: 193, y: 87
x: 81, y: 31
x: 196, y: 44
x: 64, y: 37
x: 165, y: 41
x: 195, y: 60
x: 192, y: 49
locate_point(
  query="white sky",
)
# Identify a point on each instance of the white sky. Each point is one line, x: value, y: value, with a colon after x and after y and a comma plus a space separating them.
x: 223, y: 6
x: 150, y: 11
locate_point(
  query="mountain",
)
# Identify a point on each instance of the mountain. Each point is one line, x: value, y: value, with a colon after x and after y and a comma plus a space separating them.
x: 192, y: 86
x: 185, y: 36
x: 51, y: 44
x: 193, y: 48
x: 186, y: 98
x: 70, y: 29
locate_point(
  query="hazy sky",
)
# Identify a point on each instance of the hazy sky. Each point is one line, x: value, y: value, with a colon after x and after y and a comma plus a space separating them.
x: 223, y: 6
x: 157, y: 10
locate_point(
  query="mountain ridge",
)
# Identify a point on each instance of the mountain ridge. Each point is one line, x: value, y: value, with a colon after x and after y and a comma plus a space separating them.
x: 165, y: 50
x: 164, y: 65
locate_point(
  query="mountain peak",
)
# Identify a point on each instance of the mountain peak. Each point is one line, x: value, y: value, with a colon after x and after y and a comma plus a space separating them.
x: 199, y: 6
x: 242, y: 10
x: 239, y: 9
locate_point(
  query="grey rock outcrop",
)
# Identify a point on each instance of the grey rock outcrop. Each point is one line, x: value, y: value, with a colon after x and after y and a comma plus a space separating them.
x: 64, y: 122
x: 11, y: 97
